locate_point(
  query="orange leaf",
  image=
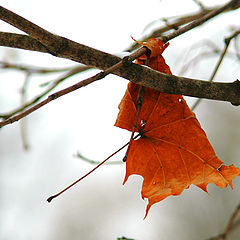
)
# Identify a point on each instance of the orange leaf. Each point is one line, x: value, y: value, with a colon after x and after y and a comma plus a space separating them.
x: 173, y: 151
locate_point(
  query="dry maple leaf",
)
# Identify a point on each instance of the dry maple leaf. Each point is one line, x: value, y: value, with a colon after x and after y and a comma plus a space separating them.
x: 173, y: 151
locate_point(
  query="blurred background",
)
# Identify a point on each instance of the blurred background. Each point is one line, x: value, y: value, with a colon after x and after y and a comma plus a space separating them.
x: 38, y: 154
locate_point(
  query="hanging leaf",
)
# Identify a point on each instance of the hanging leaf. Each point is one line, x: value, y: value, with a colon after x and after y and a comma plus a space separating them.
x: 173, y: 151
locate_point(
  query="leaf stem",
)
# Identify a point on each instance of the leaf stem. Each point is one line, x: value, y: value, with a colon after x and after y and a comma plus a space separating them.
x: 84, y: 176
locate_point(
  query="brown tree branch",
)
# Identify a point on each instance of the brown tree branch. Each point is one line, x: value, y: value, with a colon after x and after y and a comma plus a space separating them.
x: 223, y: 89
x: 142, y: 75
x: 63, y: 47
x: 136, y: 73
x: 55, y: 44
x: 21, y: 41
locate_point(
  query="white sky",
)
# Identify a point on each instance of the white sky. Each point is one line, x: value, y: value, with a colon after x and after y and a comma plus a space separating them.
x: 100, y: 207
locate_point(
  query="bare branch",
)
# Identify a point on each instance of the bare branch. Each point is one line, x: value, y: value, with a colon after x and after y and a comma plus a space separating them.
x: 21, y: 41
x: 136, y: 73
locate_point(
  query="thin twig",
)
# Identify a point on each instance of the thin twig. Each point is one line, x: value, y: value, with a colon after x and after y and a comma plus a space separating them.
x: 227, y: 43
x: 213, y: 74
x: 200, y: 4
x: 200, y: 21
x: 32, y: 69
x: 237, y: 49
x: 79, y: 155
x: 140, y: 98
x: 40, y: 96
x: 183, y: 20
x: 23, y: 121
x: 72, y: 71
x: 74, y: 87
x: 188, y: 62
x: 232, y: 220
x: 231, y: 225
x: 191, y: 63
x: 172, y: 23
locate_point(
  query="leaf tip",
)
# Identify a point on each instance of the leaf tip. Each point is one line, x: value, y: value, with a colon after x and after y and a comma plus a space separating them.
x: 147, y: 210
x: 125, y: 179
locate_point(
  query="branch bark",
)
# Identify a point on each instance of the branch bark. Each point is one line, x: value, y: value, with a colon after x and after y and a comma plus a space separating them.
x: 44, y: 41
x: 136, y: 73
